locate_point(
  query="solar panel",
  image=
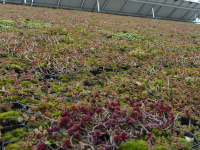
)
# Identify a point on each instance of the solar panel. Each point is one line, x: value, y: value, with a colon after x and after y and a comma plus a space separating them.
x: 180, y: 10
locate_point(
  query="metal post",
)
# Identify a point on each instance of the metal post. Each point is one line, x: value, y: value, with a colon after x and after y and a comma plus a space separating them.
x: 153, y: 12
x: 195, y: 16
x: 58, y: 3
x: 149, y: 11
x: 32, y: 3
x: 24, y: 1
x: 98, y: 5
x: 3, y: 1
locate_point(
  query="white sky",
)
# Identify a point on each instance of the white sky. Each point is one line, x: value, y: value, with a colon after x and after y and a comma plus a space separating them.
x: 193, y: 0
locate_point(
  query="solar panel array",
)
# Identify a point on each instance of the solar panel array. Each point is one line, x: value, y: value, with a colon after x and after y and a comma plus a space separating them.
x: 180, y: 10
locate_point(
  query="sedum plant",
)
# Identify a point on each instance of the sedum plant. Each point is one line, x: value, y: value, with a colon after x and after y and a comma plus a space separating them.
x: 106, y: 126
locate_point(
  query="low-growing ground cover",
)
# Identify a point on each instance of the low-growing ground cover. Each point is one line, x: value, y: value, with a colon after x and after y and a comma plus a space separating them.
x: 92, y: 81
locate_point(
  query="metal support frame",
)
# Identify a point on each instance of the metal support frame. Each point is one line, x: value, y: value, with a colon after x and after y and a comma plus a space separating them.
x: 194, y: 11
x: 98, y: 6
x: 192, y: 15
x: 160, y: 8
x: 124, y: 6
x: 104, y: 5
x: 82, y: 3
x: 185, y: 14
x: 152, y: 9
x: 97, y: 3
x: 188, y: 11
x: 141, y: 9
x: 159, y: 4
x: 153, y: 12
x: 174, y: 11
x: 58, y: 3
x: 94, y: 6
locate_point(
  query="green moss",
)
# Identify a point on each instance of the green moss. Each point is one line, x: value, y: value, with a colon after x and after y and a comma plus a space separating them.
x: 15, y: 134
x: 3, y: 71
x: 134, y: 145
x: 61, y: 137
x: 16, y: 66
x: 186, y: 144
x: 15, y: 98
x: 34, y: 81
x: 32, y: 24
x: 53, y: 103
x: 27, y: 101
x: 10, y: 118
x: 64, y: 78
x: 160, y: 147
x: 57, y: 113
x: 6, y: 99
x: 26, y: 83
x: 17, y: 146
x: 23, y: 60
x: 56, y: 86
x: 6, y: 25
x: 42, y: 65
x: 9, y: 81
x: 7, y: 22
x: 68, y: 94
x: 42, y: 107
x: 198, y: 135
x: 27, y: 90
x: 4, y: 54
x: 9, y: 114
x: 138, y: 52
x: 2, y: 83
x: 158, y: 132
x: 67, y: 104
x: 34, y: 124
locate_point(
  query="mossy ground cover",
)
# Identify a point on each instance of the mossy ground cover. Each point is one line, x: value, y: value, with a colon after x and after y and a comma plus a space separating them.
x: 72, y: 58
x: 19, y: 145
x: 15, y: 135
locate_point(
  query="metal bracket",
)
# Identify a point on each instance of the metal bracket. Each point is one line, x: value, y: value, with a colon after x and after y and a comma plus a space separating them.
x: 32, y: 2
